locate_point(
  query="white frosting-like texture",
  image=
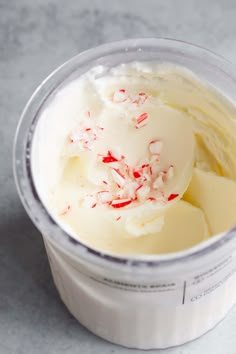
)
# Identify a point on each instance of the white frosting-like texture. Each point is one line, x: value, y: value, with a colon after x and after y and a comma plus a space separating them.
x: 138, y: 159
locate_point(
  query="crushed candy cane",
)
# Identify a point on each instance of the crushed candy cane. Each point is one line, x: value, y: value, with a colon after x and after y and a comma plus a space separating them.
x: 90, y: 201
x: 120, y: 203
x: 122, y: 96
x: 155, y: 147
x: 109, y: 158
x: 172, y: 196
x: 141, y: 120
x: 65, y: 211
x: 126, y: 184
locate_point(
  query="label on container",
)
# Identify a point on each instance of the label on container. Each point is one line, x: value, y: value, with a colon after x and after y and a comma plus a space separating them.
x: 189, y: 290
x: 208, y: 280
x: 211, y: 279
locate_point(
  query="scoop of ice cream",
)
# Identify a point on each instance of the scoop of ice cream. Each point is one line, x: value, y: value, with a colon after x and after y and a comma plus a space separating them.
x: 134, y: 153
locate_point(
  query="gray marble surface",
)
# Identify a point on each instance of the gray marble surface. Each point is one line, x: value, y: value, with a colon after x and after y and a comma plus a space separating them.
x: 35, y: 37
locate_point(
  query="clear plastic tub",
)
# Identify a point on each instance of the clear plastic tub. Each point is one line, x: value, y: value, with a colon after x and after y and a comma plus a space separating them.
x: 147, y: 301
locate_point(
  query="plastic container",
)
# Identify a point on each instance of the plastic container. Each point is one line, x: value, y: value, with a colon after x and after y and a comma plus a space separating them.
x: 148, y: 301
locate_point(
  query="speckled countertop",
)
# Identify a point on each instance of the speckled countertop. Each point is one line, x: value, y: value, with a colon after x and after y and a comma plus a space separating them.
x: 35, y: 37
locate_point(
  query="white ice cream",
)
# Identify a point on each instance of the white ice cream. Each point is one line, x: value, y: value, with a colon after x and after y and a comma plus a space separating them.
x: 115, y: 152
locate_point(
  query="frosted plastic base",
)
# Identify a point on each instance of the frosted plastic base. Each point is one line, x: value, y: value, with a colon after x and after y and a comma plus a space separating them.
x: 128, y: 319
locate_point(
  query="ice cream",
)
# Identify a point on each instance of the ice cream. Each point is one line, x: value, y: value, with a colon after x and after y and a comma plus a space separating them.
x: 138, y: 159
